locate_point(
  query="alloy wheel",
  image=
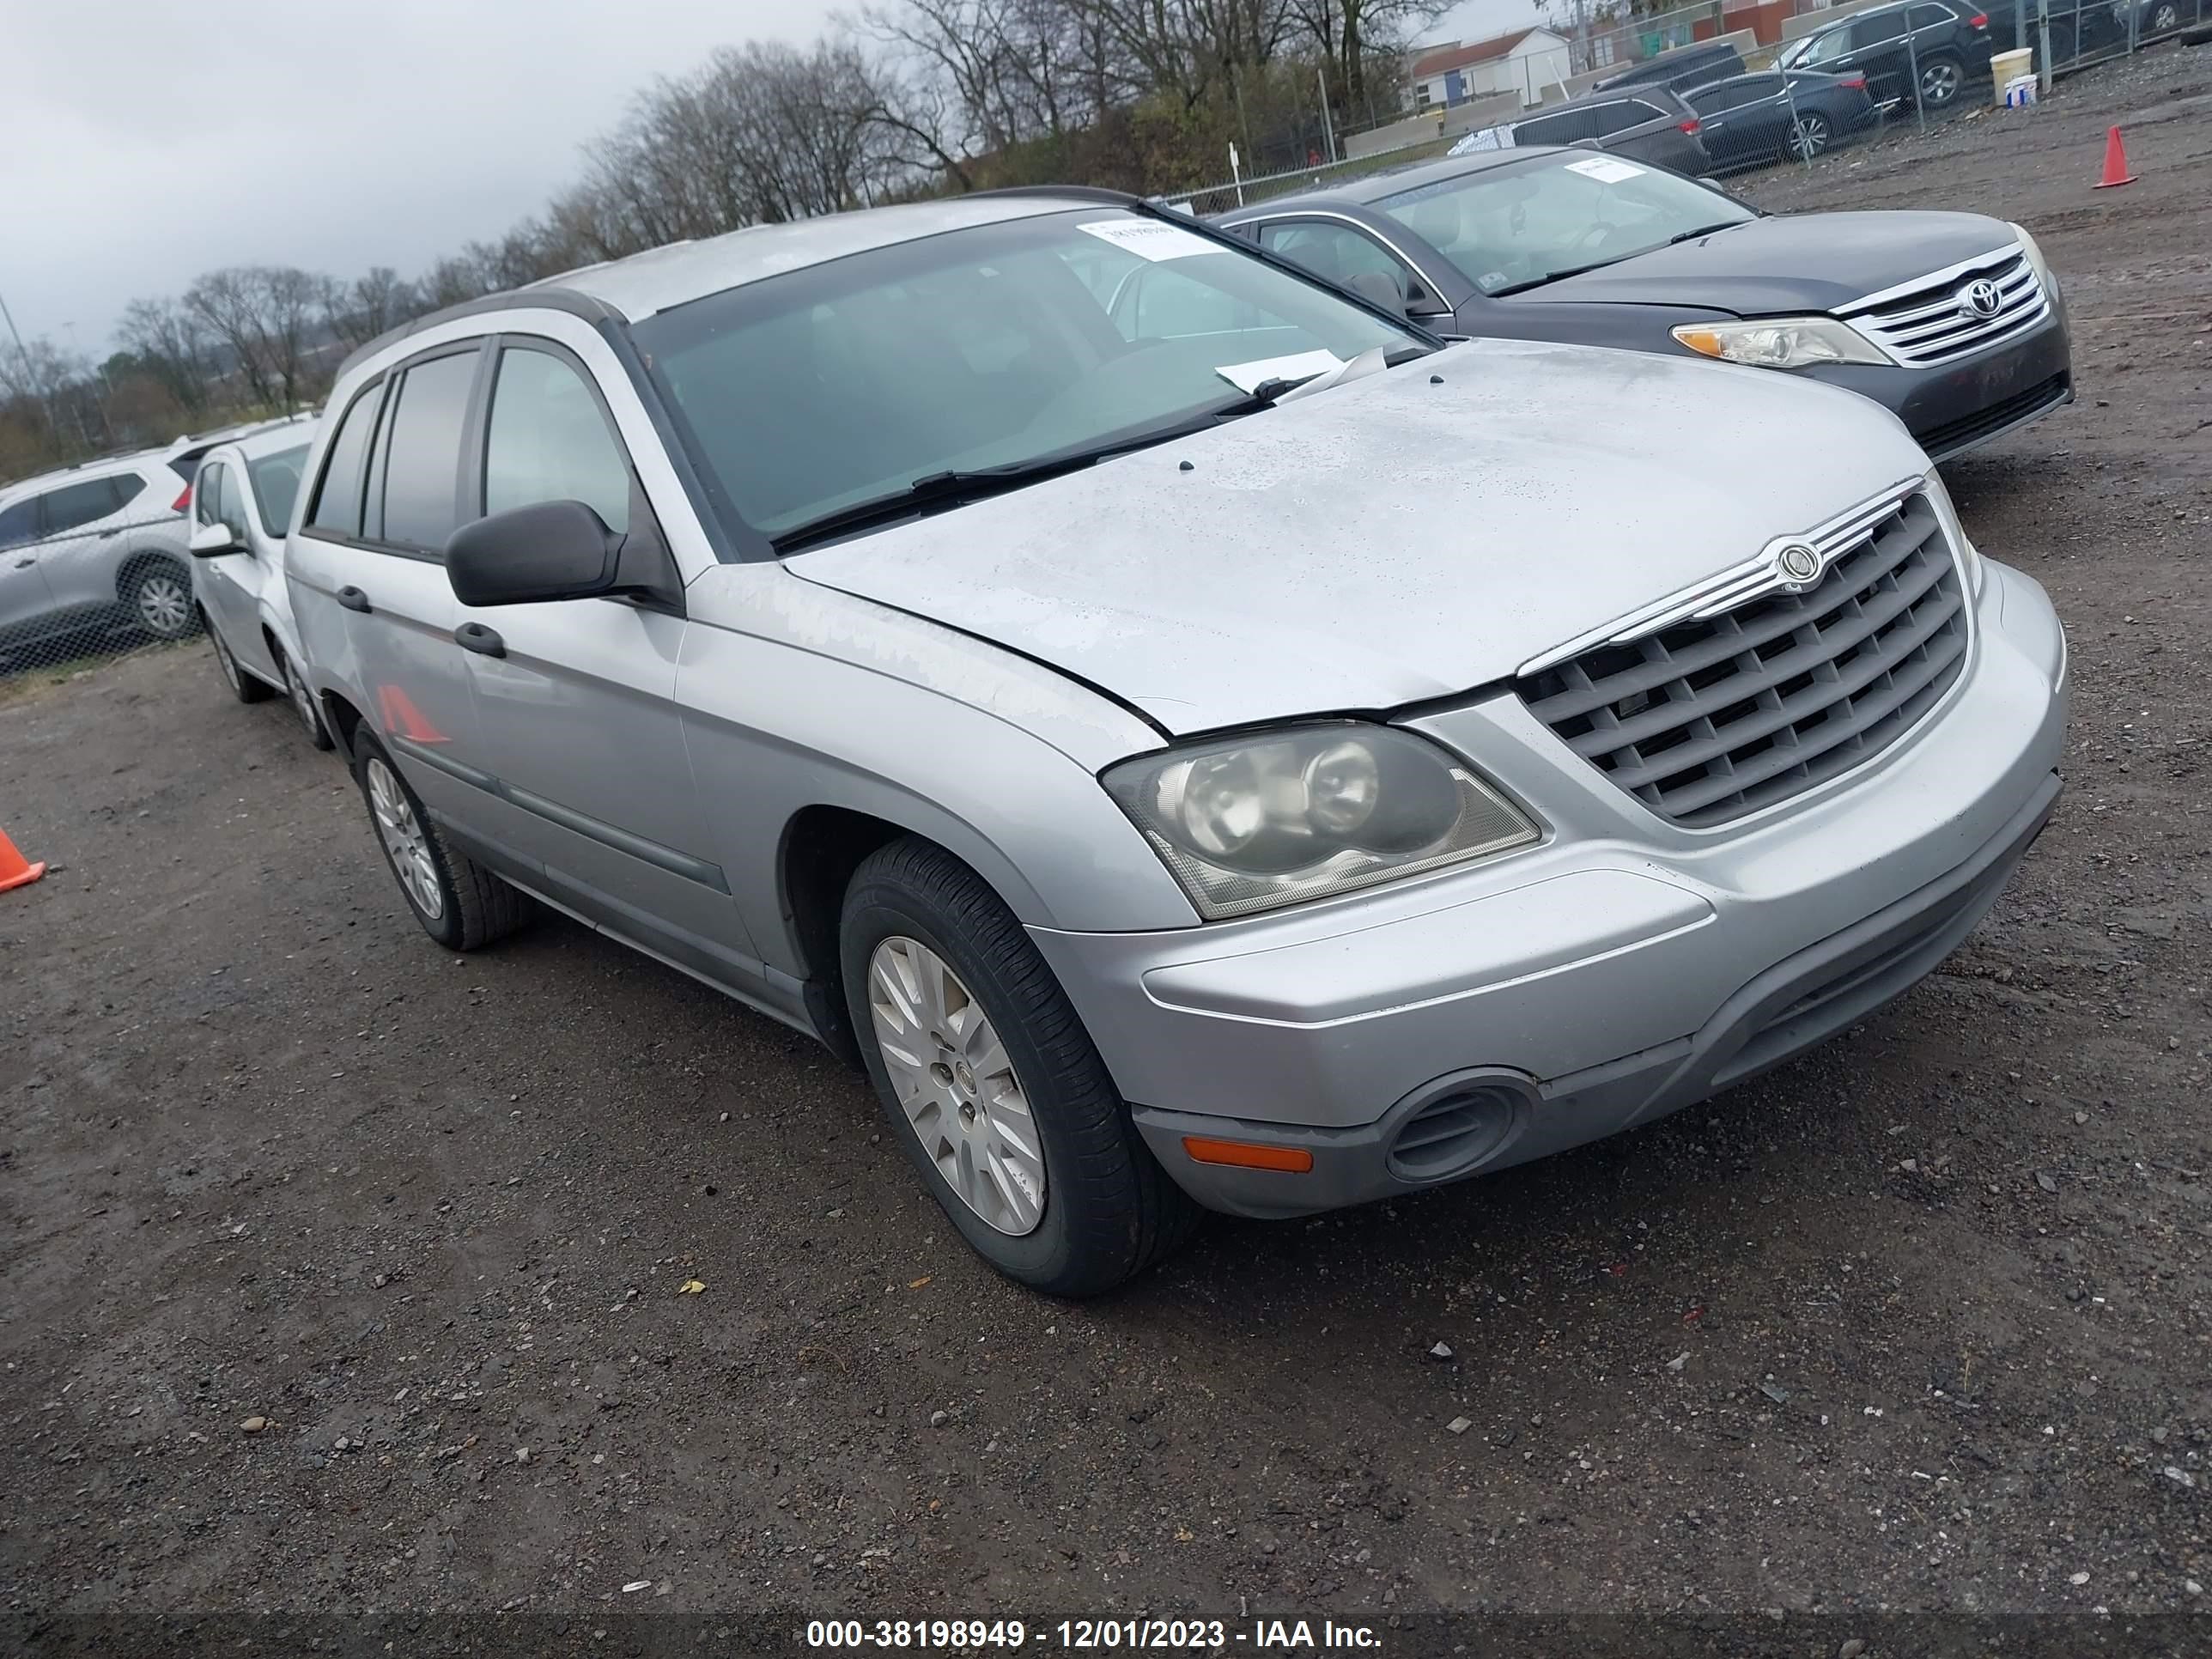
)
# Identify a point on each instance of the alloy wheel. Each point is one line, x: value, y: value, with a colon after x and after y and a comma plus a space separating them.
x: 1808, y: 137
x: 1939, y: 83
x: 956, y: 1084
x: 2165, y: 19
x: 163, y: 604
x: 404, y: 841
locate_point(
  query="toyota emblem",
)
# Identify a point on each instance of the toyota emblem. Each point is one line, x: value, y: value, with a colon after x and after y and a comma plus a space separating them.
x: 1797, y: 565
x: 1980, y: 298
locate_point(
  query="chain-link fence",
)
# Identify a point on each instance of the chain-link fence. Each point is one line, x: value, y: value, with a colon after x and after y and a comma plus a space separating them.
x: 1722, y: 90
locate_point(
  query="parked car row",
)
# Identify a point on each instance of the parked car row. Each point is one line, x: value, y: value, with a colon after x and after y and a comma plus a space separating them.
x: 101, y: 547
x: 1196, y: 734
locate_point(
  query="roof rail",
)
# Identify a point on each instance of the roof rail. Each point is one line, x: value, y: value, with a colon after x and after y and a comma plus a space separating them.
x: 1073, y: 192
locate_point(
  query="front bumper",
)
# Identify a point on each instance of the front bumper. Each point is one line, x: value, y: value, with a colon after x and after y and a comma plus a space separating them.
x: 1963, y: 406
x: 1436, y: 1027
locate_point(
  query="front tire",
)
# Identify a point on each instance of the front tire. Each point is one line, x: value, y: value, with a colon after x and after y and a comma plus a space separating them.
x: 459, y: 903
x: 243, y: 685
x: 991, y: 1083
x: 1941, y: 77
x: 159, y: 597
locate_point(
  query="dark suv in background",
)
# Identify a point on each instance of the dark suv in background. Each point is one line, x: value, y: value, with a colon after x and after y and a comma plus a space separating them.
x: 1682, y: 68
x: 1650, y: 124
x: 1924, y: 51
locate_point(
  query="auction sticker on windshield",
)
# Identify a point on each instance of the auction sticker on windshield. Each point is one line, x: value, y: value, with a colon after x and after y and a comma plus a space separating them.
x: 1248, y: 378
x: 1150, y: 240
x: 1603, y: 168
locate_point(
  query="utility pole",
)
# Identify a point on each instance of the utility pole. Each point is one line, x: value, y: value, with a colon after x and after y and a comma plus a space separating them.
x: 1327, y: 127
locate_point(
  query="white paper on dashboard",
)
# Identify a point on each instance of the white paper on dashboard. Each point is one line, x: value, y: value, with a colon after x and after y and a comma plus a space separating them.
x: 1247, y: 377
x: 1148, y: 238
x: 1605, y: 170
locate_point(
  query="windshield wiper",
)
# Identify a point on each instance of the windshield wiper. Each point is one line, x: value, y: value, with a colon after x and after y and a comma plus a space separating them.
x: 1555, y: 276
x: 1708, y: 230
x: 956, y: 488
x: 934, y: 490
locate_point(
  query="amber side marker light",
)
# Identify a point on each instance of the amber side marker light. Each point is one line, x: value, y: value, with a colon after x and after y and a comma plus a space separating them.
x: 1292, y: 1160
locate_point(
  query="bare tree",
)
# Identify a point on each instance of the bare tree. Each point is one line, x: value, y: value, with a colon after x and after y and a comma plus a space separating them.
x: 265, y: 317
x: 168, y: 343
x: 357, y: 312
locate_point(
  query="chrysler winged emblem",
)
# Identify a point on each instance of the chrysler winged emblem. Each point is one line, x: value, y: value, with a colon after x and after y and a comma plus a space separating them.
x: 1798, y: 565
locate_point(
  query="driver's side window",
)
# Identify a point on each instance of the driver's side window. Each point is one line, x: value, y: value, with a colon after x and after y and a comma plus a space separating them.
x: 547, y: 441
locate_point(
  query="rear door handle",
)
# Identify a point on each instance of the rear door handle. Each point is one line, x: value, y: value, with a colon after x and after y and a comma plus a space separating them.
x: 484, y: 642
x: 354, y: 599
x: 25, y: 564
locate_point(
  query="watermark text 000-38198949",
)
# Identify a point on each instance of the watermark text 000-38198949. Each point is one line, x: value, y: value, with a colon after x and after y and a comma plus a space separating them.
x: 1138, y: 1634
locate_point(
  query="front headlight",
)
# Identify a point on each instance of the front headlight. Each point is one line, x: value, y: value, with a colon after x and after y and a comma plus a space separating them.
x: 1253, y: 822
x: 1782, y: 342
x: 1970, y: 557
x: 2036, y: 262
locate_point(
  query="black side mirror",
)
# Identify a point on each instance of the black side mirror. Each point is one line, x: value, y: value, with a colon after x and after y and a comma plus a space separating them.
x: 559, y: 550
x: 1380, y: 287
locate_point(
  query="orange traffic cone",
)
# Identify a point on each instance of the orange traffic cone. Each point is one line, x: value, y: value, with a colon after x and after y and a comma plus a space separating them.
x: 16, y: 870
x: 2116, y: 161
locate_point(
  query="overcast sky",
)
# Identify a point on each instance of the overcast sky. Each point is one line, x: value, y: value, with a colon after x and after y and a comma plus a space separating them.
x: 143, y: 143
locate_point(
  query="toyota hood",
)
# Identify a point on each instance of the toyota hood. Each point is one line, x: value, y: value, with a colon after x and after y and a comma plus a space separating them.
x: 1790, y: 262
x: 1400, y: 538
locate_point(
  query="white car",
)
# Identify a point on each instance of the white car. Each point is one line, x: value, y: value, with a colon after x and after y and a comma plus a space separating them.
x: 242, y: 498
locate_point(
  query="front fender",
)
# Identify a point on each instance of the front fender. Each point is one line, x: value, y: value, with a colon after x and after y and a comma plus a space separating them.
x: 795, y: 697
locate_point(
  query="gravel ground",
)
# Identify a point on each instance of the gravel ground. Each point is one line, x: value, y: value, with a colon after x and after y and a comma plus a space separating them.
x: 343, y: 1274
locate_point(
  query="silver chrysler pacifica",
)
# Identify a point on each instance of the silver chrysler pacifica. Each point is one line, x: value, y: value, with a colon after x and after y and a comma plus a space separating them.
x: 1199, y: 741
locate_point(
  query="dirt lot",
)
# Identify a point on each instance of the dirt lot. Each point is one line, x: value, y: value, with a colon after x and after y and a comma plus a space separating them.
x: 1923, y: 1321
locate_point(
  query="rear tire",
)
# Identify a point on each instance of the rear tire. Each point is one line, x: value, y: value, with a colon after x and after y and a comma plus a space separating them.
x: 1941, y: 76
x: 458, y: 902
x: 1808, y: 137
x: 1108, y: 1210
x: 243, y: 685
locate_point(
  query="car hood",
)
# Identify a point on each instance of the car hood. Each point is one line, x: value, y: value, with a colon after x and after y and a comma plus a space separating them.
x: 1402, y: 538
x: 1787, y: 263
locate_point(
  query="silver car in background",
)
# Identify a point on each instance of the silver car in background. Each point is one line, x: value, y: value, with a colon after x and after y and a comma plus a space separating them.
x: 243, y: 492
x: 91, y: 549
x: 1227, y: 750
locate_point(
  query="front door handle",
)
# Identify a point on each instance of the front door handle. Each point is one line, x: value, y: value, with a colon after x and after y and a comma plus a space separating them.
x: 25, y: 564
x: 354, y: 599
x: 484, y: 642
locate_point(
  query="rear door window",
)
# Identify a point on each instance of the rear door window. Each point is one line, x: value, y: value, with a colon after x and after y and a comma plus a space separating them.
x: 337, y: 497
x: 19, y: 524
x: 422, y: 453
x: 1564, y: 127
x: 1877, y: 28
x: 74, y: 506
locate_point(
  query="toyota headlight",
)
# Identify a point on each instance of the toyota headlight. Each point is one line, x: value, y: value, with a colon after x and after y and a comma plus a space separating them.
x: 1260, y: 820
x: 2036, y: 262
x: 1970, y: 557
x: 1782, y: 342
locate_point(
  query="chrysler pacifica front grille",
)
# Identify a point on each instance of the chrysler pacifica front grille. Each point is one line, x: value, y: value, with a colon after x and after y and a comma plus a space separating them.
x: 1718, y: 715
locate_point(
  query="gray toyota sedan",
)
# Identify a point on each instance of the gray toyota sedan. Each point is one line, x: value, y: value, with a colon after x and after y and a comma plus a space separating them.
x: 1193, y: 738
x: 1951, y: 321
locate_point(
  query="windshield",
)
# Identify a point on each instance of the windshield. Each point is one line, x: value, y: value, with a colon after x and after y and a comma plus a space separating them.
x: 1517, y: 226
x: 276, y: 484
x: 983, y: 348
